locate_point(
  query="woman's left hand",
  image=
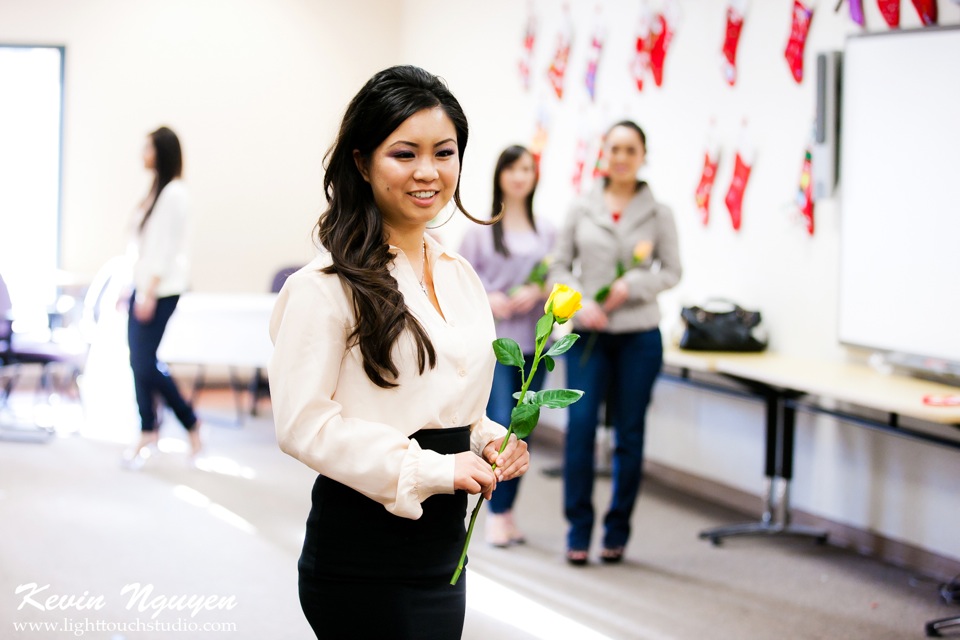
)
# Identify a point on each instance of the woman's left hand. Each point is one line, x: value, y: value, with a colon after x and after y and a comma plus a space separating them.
x: 619, y: 292
x: 525, y: 298
x: 514, y: 460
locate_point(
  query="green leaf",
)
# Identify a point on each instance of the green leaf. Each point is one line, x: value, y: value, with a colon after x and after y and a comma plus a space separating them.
x: 544, y: 327
x: 558, y: 398
x: 563, y: 345
x: 620, y: 270
x: 524, y: 418
x: 602, y: 295
x: 531, y: 396
x: 549, y: 362
x: 508, y: 352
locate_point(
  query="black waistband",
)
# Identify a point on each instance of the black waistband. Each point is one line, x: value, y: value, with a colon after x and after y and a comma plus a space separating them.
x: 444, y: 441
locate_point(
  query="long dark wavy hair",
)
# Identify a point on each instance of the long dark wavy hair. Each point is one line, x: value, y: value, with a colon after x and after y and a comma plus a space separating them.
x: 167, y: 166
x: 351, y: 228
x: 509, y: 156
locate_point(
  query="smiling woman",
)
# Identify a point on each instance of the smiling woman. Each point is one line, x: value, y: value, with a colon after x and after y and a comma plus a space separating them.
x: 381, y: 371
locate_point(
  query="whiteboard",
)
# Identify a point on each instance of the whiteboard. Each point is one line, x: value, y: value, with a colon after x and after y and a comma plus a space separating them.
x: 900, y: 193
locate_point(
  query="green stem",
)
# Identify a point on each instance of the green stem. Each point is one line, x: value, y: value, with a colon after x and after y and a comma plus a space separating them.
x: 476, y: 510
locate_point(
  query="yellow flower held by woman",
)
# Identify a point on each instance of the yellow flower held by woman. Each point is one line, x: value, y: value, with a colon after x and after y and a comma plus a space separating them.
x: 642, y: 251
x: 562, y: 303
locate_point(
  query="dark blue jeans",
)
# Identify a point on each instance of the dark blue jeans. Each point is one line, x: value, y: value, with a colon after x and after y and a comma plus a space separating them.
x: 150, y: 377
x: 506, y: 382
x: 625, y: 365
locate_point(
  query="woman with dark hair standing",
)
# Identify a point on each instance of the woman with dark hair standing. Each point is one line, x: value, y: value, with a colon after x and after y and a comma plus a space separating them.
x: 160, y: 274
x: 616, y: 234
x: 381, y: 371
x: 504, y: 255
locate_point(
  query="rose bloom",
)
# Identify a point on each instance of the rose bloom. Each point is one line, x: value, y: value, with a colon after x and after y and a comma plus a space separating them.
x: 643, y: 249
x: 562, y: 303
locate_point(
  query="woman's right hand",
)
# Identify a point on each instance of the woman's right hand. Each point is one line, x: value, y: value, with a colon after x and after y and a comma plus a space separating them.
x: 591, y: 316
x: 500, y: 304
x: 473, y: 474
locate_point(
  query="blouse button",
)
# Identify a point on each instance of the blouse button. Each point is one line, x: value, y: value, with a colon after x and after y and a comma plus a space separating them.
x: 456, y: 419
x: 462, y: 372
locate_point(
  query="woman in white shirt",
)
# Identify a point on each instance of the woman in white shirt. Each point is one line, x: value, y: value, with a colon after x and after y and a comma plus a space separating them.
x: 381, y: 372
x: 160, y: 275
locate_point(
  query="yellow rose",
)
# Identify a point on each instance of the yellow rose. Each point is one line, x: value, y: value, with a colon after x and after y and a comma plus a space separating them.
x: 641, y: 251
x: 562, y: 303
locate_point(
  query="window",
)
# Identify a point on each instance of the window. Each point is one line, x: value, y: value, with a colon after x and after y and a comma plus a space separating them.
x: 31, y: 123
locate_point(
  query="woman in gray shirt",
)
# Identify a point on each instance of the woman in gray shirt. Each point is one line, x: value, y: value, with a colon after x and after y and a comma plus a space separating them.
x: 619, y: 248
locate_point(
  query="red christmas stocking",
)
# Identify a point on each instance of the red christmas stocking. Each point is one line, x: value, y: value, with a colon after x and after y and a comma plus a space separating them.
x: 856, y: 11
x: 526, y: 58
x: 890, y: 9
x: 738, y: 184
x: 711, y: 157
x: 600, y: 164
x: 641, y: 59
x: 735, y: 11
x: 805, y: 192
x: 660, y: 40
x: 540, y: 136
x: 927, y: 10
x: 579, y: 160
x: 802, y: 13
x: 558, y: 66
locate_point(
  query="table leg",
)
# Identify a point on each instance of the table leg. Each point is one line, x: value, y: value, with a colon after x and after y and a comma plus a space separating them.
x: 778, y: 463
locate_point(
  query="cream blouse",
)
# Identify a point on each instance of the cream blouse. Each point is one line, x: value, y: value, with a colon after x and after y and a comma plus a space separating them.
x: 331, y: 417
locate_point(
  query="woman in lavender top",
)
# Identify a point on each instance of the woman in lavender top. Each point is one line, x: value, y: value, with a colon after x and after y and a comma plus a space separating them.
x: 504, y: 255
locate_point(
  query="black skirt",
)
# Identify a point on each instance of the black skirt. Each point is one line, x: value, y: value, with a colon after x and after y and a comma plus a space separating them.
x: 366, y: 573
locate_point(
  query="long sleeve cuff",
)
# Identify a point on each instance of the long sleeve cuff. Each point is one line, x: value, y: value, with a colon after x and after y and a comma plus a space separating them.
x: 423, y: 473
x: 485, y: 432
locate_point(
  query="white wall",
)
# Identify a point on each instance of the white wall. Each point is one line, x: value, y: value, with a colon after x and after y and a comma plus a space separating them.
x: 900, y: 489
x: 254, y: 88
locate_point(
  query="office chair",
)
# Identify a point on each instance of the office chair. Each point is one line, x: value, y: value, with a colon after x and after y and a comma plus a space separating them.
x: 68, y: 350
x: 259, y: 386
x: 934, y: 627
x: 950, y: 593
x: 281, y: 276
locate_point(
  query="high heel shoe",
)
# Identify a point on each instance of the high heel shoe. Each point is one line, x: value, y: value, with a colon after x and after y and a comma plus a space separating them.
x: 578, y: 557
x: 196, y: 445
x: 612, y: 555
x: 516, y: 536
x: 497, y: 530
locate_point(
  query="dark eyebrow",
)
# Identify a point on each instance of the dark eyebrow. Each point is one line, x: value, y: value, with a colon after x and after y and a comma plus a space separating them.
x: 415, y: 145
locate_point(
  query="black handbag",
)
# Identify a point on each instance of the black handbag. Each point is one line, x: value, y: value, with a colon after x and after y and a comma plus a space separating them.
x: 722, y: 326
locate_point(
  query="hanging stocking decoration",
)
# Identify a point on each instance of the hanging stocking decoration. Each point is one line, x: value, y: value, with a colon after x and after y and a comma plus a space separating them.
x: 661, y: 33
x: 890, y: 10
x: 558, y: 66
x: 927, y: 10
x: 738, y: 184
x: 600, y: 164
x: 641, y: 59
x: 593, y: 57
x: 802, y: 14
x: 540, y: 136
x: 711, y: 158
x: 735, y: 13
x: 856, y: 11
x: 579, y: 161
x: 526, y: 57
x: 805, y: 192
